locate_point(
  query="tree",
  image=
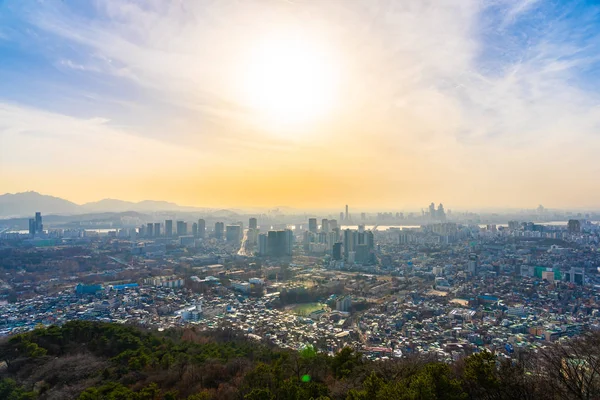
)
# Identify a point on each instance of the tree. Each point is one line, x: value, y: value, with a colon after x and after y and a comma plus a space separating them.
x: 344, y: 362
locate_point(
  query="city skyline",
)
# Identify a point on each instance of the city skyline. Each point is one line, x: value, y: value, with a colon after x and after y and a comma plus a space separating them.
x: 303, y: 104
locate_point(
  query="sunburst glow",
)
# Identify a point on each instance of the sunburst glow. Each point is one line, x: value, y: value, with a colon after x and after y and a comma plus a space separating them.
x: 289, y: 80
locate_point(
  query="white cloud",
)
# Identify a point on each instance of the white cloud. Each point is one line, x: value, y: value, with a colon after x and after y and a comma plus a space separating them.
x: 422, y: 86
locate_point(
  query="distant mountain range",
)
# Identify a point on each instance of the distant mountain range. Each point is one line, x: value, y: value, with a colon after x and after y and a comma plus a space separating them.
x: 27, y: 203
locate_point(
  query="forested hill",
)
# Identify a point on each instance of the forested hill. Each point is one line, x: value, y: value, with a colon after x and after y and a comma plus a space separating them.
x: 94, y: 361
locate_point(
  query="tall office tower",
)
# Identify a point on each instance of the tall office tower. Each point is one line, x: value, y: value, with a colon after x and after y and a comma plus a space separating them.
x: 363, y: 216
x: 149, y: 229
x: 332, y: 238
x: 272, y: 244
x: 322, y: 237
x: 347, y: 215
x: 341, y: 217
x: 168, y: 227
x: 370, y: 240
x: 336, y: 253
x: 307, y: 239
x: 333, y: 224
x: 142, y: 231
x: 181, y: 228
x: 233, y: 234
x: 157, y: 229
x: 278, y: 243
x: 361, y: 229
x: 289, y: 242
x: 349, y: 238
x: 473, y: 265
x: 201, y: 228
x: 195, y: 229
x: 312, y: 225
x: 253, y: 223
x: 219, y: 228
x: 432, y: 213
x: 361, y: 254
x: 325, y: 225
x: 441, y: 214
x: 31, y: 226
x: 39, y: 227
x: 262, y: 244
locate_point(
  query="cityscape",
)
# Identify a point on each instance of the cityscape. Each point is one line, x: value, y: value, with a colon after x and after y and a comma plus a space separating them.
x: 444, y: 288
x: 299, y: 200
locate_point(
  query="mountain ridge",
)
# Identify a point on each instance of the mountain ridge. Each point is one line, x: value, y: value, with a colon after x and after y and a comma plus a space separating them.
x: 26, y: 203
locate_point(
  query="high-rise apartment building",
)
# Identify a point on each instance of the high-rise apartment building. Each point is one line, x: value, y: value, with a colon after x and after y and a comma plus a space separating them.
x: 233, y: 234
x: 312, y: 225
x: 336, y: 252
x: 325, y: 225
x: 31, y: 226
x: 181, y: 228
x: 39, y: 227
x: 253, y: 223
x: 276, y: 243
x: 219, y: 228
x: 201, y: 228
x: 149, y: 229
x: 157, y: 229
x: 168, y: 227
x: 349, y: 238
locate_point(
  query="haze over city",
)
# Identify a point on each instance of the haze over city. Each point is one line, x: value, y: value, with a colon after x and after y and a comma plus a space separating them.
x: 302, y: 103
x: 299, y: 199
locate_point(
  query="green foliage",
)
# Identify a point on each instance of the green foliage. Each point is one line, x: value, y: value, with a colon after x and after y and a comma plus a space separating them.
x: 344, y: 362
x: 308, y: 352
x: 10, y: 390
x: 480, y: 373
x: 128, y: 363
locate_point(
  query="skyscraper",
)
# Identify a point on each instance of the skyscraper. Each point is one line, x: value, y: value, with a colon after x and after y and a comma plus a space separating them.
x: 150, y: 229
x: 201, y: 228
x: 349, y: 238
x: 157, y: 229
x: 262, y: 244
x: 233, y: 234
x: 325, y: 225
x: 441, y: 214
x: 195, y: 229
x: 347, y: 215
x: 39, y: 227
x: 278, y: 243
x: 181, y: 228
x: 341, y: 217
x: 432, y: 214
x: 333, y: 224
x: 473, y: 264
x: 169, y: 227
x: 336, y: 252
x: 219, y: 228
x: 32, y: 227
x: 253, y: 223
x: 312, y: 225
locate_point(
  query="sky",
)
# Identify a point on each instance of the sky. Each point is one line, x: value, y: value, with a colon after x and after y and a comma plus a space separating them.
x: 381, y: 104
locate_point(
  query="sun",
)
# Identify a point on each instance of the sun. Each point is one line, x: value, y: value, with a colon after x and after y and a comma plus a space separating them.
x: 289, y: 80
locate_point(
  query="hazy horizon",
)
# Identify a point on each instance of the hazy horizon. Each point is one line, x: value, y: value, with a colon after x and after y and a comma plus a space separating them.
x: 311, y: 105
x: 355, y: 209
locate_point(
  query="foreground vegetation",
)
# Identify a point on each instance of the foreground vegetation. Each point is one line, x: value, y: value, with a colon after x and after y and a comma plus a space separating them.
x: 95, y: 361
